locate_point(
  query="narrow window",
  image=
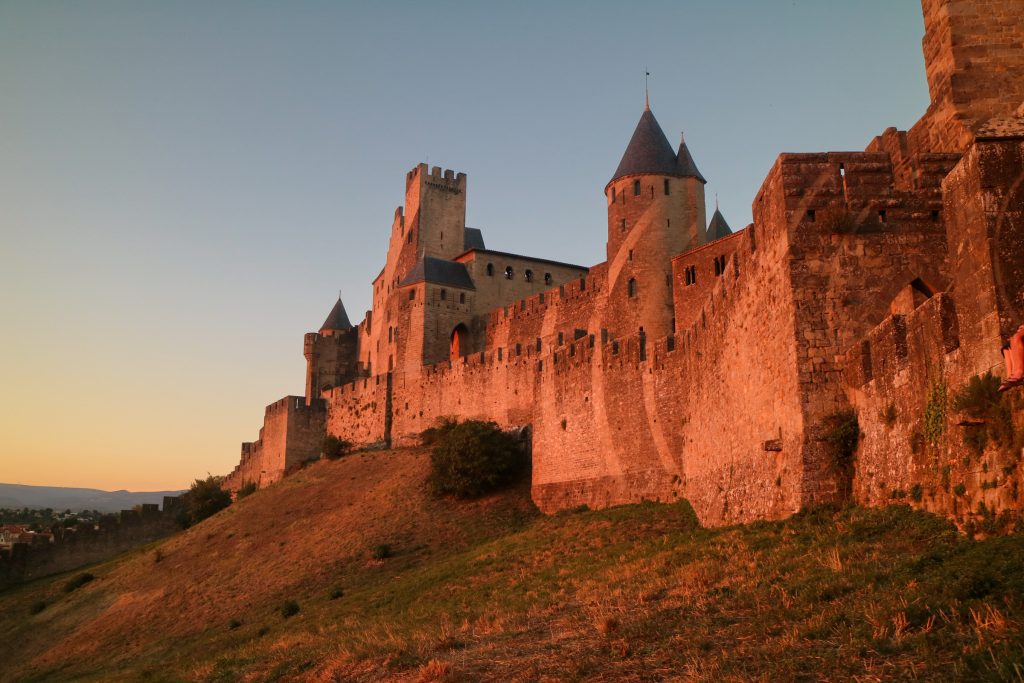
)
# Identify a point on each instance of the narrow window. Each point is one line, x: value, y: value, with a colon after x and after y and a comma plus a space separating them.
x: 529, y: 275
x: 508, y: 272
x: 412, y: 295
x: 810, y: 215
x: 490, y: 270
x: 613, y: 194
x: 462, y: 297
x: 499, y: 353
x: 561, y: 338
x: 666, y: 185
x: 519, y: 349
x: 881, y: 216
x: 631, y: 287
x: 935, y: 216
x: 630, y: 254
x: 547, y: 278
x: 410, y: 237
x: 753, y: 239
x: 390, y: 335
x: 444, y: 295
x: 623, y: 225
x: 538, y: 343
x: 636, y: 188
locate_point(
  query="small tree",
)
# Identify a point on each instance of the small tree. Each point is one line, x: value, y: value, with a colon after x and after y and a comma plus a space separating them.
x: 204, y: 498
x: 334, y: 447
x: 472, y: 458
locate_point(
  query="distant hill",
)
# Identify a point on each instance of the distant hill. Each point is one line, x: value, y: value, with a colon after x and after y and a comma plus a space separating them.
x: 60, y: 498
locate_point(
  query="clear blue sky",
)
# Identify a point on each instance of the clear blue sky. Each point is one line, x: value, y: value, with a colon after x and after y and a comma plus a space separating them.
x: 185, y: 186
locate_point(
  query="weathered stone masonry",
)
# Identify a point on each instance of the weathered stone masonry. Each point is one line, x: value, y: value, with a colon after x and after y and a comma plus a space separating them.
x: 700, y: 364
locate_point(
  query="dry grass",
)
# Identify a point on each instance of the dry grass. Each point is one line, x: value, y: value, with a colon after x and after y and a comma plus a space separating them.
x: 488, y: 590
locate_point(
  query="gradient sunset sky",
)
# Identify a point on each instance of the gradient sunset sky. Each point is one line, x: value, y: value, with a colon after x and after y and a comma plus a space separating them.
x: 186, y: 186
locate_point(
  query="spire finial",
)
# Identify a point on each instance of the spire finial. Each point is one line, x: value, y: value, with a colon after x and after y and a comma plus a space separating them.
x: 682, y: 138
x: 339, y: 295
x: 647, y: 93
x: 716, y: 201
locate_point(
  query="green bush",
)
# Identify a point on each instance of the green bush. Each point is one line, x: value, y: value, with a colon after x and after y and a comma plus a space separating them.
x: 37, y: 607
x: 336, y: 593
x: 77, y: 582
x: 473, y: 458
x: 334, y: 447
x: 289, y: 608
x: 234, y: 623
x: 381, y: 552
x: 204, y: 498
x: 431, y: 435
x: 981, y: 400
x: 248, y: 488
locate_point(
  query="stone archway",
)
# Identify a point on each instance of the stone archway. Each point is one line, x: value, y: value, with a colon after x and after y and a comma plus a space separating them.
x: 459, y: 342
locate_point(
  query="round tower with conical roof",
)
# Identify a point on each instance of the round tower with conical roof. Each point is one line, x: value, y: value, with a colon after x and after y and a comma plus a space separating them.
x: 331, y: 353
x: 655, y: 211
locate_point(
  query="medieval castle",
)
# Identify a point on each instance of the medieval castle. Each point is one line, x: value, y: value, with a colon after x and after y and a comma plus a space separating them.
x: 705, y: 364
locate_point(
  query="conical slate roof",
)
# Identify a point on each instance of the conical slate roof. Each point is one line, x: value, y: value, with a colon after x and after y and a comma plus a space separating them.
x: 718, y: 228
x: 649, y: 151
x: 337, y: 319
x: 685, y: 165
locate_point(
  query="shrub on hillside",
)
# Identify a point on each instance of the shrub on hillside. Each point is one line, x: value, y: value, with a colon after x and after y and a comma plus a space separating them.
x: 381, y: 552
x: 248, y: 488
x: 289, y: 609
x: 472, y: 458
x: 37, y: 607
x: 204, y: 498
x: 431, y: 435
x: 333, y: 447
x: 77, y: 582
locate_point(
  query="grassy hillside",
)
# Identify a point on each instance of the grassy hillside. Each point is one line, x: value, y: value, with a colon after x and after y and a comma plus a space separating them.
x: 490, y: 590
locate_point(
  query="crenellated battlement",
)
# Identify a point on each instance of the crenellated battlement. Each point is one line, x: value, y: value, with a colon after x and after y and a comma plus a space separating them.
x: 436, y: 177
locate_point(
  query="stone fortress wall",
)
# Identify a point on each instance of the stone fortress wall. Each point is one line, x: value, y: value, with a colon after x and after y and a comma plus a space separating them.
x: 707, y: 369
x: 87, y: 543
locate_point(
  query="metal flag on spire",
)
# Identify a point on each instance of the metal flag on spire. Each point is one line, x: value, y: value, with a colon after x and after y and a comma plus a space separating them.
x: 647, y: 93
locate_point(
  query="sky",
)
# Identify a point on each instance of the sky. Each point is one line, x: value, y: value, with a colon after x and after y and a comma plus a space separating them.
x: 185, y: 187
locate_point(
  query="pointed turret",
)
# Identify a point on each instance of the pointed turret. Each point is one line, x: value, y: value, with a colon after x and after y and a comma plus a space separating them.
x: 648, y: 150
x: 684, y: 162
x: 337, y: 319
x: 718, y: 228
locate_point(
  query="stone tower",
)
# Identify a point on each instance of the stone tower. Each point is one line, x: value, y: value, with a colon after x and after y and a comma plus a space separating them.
x: 331, y: 353
x: 655, y: 211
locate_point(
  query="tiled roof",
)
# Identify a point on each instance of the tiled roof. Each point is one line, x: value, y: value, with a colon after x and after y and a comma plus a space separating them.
x: 649, y: 151
x: 472, y: 239
x: 718, y: 228
x: 337, y: 319
x: 439, y: 271
x: 684, y: 163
